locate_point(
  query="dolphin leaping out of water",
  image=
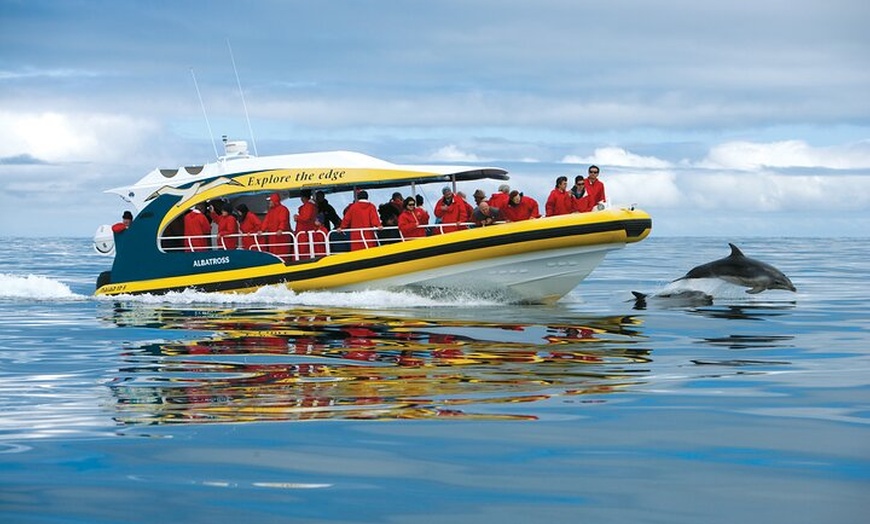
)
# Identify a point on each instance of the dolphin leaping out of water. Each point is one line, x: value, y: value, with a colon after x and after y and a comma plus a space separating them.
x: 741, y: 270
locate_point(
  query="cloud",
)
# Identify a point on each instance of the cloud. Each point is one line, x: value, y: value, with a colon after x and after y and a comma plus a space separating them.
x: 452, y: 153
x: 787, y: 153
x: 30, y: 73
x: 55, y: 137
x: 21, y: 160
x: 617, y: 156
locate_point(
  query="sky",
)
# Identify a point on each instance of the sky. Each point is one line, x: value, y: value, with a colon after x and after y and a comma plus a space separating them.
x: 721, y: 118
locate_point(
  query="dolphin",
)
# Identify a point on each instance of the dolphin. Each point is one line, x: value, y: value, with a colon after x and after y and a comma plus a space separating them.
x: 741, y: 270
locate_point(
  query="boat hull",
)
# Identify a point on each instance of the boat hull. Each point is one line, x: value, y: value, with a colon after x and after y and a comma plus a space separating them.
x: 535, y: 261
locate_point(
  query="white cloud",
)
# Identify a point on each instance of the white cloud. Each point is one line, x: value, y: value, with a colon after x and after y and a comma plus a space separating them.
x: 617, y: 156
x: 452, y: 153
x: 787, y: 153
x: 70, y: 137
x: 657, y: 188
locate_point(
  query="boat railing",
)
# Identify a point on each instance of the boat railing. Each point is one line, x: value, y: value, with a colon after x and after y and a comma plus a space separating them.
x: 302, y: 245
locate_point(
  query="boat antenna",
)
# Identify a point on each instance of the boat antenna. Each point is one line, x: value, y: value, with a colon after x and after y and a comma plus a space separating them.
x: 207, y: 124
x: 242, y: 93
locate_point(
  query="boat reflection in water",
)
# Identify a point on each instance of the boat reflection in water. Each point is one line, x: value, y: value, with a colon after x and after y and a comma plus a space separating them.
x: 247, y: 365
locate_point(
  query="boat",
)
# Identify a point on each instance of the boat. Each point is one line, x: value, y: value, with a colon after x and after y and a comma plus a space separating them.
x: 532, y: 261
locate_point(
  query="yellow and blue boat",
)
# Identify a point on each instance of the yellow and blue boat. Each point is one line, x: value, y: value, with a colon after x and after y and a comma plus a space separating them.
x: 533, y: 261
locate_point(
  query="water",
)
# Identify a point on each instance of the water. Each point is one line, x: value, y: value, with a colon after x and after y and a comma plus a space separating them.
x: 388, y: 407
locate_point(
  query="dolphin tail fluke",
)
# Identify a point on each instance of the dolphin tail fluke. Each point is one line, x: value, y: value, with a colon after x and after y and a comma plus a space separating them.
x: 639, y: 300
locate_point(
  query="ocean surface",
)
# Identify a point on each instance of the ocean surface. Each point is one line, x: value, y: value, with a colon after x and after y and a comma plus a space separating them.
x: 391, y: 407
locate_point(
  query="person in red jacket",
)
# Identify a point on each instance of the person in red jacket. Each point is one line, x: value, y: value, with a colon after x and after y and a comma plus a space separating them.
x: 197, y: 230
x: 228, y: 227
x: 409, y: 224
x: 500, y: 198
x: 560, y: 201
x: 520, y: 207
x: 594, y: 191
x: 422, y: 214
x: 306, y: 222
x: 277, y: 226
x: 452, y: 210
x: 249, y: 226
x: 362, y: 214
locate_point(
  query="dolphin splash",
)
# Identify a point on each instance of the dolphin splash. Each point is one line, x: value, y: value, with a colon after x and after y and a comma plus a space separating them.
x: 743, y: 271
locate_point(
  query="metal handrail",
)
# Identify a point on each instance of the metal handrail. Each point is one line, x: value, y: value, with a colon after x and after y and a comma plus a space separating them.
x: 318, y: 242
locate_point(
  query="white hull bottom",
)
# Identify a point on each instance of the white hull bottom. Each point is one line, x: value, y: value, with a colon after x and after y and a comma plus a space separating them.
x: 539, y: 277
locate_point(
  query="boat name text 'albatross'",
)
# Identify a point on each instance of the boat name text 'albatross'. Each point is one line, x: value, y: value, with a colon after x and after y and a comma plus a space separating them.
x: 211, y: 261
x: 331, y: 175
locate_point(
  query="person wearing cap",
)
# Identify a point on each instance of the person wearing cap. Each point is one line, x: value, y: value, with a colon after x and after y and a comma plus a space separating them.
x: 479, y: 196
x: 361, y: 217
x: 228, y: 226
x: 520, y: 207
x: 197, y: 230
x: 249, y: 226
x: 409, y: 224
x: 500, y: 198
x: 126, y: 220
x: 560, y: 201
x: 452, y: 211
x: 276, y: 225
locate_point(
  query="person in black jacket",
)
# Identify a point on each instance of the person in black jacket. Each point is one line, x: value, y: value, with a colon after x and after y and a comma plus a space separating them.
x: 325, y: 212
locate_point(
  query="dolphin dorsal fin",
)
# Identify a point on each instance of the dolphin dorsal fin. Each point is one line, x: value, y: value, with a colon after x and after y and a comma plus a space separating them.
x: 735, y: 251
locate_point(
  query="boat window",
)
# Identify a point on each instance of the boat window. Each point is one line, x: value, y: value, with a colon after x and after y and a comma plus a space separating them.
x: 168, y: 173
x: 193, y: 170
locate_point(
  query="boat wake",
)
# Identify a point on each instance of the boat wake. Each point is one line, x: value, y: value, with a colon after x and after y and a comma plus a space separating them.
x: 35, y: 287
x: 272, y: 295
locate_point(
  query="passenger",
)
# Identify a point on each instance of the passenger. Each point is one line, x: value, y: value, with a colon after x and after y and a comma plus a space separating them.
x: 409, y: 224
x: 361, y: 215
x: 452, y: 211
x: 228, y: 227
x: 486, y: 215
x: 469, y: 209
x: 249, y: 225
x: 579, y: 188
x: 479, y: 196
x: 500, y: 198
x: 197, y: 230
x: 389, y: 214
x: 420, y: 211
x: 326, y: 213
x: 560, y: 201
x: 520, y: 207
x: 594, y: 191
x: 276, y: 225
x: 126, y: 220
x: 306, y: 223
